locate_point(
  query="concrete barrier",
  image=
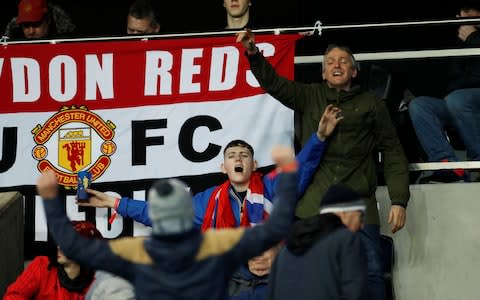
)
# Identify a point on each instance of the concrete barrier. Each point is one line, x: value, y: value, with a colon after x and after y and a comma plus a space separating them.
x: 438, y: 252
x: 11, y: 238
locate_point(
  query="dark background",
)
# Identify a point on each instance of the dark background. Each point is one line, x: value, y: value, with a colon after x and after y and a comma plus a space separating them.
x: 107, y: 17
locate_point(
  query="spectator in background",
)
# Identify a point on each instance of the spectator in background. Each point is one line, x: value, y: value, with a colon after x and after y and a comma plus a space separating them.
x: 142, y: 18
x: 460, y: 109
x: 324, y: 259
x: 38, y: 19
x: 350, y: 157
x: 177, y: 261
x: 55, y: 276
x: 238, y: 13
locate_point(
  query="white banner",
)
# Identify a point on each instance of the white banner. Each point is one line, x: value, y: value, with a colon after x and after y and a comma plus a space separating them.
x: 259, y: 120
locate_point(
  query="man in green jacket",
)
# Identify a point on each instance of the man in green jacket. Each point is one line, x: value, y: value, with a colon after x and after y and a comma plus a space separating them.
x: 349, y: 158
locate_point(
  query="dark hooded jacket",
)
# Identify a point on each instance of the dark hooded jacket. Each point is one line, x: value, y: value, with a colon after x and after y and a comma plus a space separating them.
x: 190, y: 265
x: 322, y: 260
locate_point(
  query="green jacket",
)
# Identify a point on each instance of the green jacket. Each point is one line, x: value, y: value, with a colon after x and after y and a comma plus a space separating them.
x: 349, y: 158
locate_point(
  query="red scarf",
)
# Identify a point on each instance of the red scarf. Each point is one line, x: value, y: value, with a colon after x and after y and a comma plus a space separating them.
x: 220, y: 209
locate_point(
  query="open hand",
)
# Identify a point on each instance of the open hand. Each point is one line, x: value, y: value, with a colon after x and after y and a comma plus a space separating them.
x: 247, y: 38
x: 330, y: 118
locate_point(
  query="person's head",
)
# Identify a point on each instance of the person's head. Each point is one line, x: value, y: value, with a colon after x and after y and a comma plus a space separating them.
x: 84, y: 228
x: 142, y: 18
x: 170, y: 207
x: 339, y: 67
x: 33, y: 18
x: 238, y: 164
x: 346, y: 204
x: 470, y: 8
x: 237, y: 10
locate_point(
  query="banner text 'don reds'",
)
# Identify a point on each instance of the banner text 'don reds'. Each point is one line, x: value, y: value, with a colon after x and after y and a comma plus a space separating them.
x: 115, y: 76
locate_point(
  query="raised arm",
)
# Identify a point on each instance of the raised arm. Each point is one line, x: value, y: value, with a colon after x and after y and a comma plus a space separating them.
x: 126, y: 207
x: 288, y: 92
x: 95, y: 253
x: 138, y: 210
x: 312, y: 152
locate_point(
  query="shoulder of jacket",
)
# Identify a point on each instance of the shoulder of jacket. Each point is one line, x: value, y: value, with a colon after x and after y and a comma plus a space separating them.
x: 218, y: 241
x: 131, y: 249
x: 40, y: 260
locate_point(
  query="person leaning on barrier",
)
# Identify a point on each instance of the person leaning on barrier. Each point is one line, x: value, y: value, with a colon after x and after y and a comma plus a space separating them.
x: 142, y: 18
x: 460, y: 109
x: 177, y: 261
x: 324, y: 259
x: 349, y: 159
x: 38, y: 19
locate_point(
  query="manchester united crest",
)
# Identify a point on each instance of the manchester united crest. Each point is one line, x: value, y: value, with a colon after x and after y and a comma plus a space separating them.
x: 72, y: 140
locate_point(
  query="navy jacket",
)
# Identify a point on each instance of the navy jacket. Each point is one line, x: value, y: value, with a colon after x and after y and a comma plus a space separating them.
x: 323, y: 260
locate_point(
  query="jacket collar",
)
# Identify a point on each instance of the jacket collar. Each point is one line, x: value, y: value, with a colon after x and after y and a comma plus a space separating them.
x: 334, y: 96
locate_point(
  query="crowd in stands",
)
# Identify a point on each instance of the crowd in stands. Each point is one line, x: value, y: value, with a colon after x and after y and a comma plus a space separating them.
x: 307, y: 230
x: 459, y: 110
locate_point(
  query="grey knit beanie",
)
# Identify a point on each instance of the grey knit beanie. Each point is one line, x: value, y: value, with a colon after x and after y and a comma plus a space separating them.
x: 170, y: 207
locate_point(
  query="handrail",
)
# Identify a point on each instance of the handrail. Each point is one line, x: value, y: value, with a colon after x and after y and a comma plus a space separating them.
x: 431, y: 166
x: 395, y: 55
x: 317, y: 27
